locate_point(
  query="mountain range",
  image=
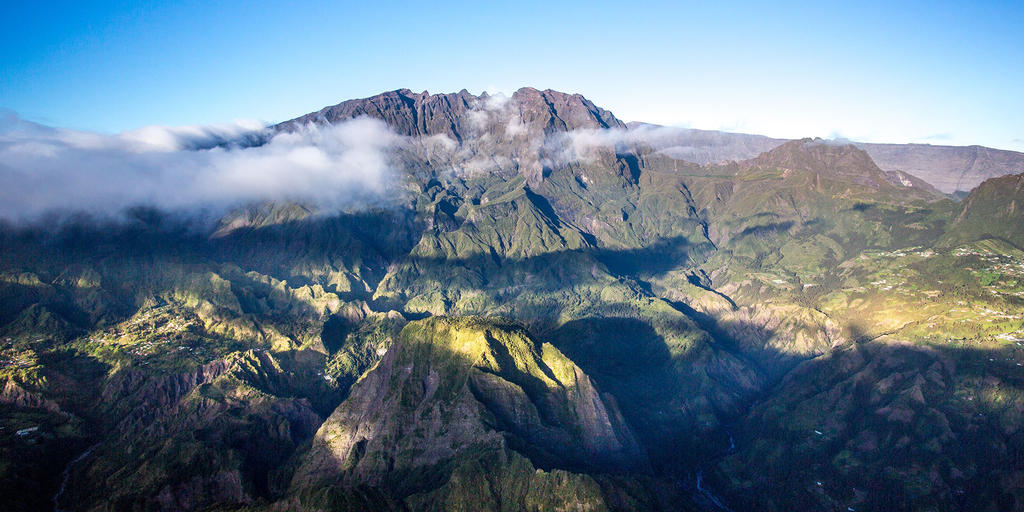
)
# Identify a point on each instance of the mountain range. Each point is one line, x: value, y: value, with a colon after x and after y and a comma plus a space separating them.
x: 547, y: 309
x: 950, y: 169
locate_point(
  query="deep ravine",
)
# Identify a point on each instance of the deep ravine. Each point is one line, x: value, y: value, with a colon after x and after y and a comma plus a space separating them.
x: 66, y: 475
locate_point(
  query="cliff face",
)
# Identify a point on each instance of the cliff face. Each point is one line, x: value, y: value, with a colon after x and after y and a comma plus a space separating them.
x: 450, y: 388
x: 471, y: 135
x: 462, y: 115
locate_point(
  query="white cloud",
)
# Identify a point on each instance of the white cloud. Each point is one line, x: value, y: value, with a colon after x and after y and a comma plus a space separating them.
x: 45, y: 169
x: 496, y: 115
x: 173, y: 138
x: 588, y: 145
x: 478, y: 119
x: 514, y: 127
x: 496, y: 102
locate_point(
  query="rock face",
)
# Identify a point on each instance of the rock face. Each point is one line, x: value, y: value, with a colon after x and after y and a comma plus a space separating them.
x: 523, y: 134
x: 828, y: 161
x: 212, y: 436
x: 14, y: 394
x: 461, y: 115
x: 450, y: 388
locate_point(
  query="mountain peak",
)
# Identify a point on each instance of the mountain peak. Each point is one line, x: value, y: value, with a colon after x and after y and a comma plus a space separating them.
x: 454, y: 114
x: 818, y: 154
x: 839, y: 162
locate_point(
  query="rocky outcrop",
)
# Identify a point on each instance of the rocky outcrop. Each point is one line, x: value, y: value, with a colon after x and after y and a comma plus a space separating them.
x: 16, y: 395
x: 450, y: 388
x: 140, y: 398
x: 218, y: 434
x: 821, y: 156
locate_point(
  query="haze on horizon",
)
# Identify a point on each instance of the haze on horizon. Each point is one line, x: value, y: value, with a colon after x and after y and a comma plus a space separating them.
x: 937, y: 73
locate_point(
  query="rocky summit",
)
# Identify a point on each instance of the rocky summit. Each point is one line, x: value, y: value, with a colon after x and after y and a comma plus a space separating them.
x: 542, y: 308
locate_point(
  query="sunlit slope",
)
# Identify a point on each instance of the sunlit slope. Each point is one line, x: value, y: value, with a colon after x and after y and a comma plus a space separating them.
x: 454, y: 396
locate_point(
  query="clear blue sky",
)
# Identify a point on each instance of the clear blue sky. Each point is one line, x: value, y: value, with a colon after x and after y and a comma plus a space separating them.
x: 922, y: 72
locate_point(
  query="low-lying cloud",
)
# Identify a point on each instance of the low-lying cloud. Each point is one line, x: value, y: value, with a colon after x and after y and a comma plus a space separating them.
x: 45, y: 169
x: 588, y: 145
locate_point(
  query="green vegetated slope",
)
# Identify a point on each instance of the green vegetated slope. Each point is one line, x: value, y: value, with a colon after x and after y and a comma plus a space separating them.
x: 993, y: 210
x: 543, y: 317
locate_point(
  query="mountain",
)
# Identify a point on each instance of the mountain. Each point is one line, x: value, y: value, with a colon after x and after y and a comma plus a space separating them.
x: 950, y: 169
x: 992, y: 211
x: 545, y: 312
x: 454, y: 396
x: 460, y: 115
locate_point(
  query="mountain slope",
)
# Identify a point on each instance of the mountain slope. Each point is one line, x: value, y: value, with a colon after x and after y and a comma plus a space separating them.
x: 993, y: 210
x: 454, y: 391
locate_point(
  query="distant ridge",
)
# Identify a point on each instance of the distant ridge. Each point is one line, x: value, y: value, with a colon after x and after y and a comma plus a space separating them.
x: 947, y: 168
x: 705, y: 146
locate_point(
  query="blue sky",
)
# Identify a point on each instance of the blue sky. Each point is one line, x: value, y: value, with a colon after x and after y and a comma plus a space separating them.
x: 914, y: 72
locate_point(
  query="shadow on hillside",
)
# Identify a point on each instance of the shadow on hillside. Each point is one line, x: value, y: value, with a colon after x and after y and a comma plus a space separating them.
x: 248, y: 413
x: 628, y: 359
x: 276, y: 249
x: 655, y: 258
x: 764, y: 231
x: 304, y: 252
x: 544, y: 413
x: 884, y: 425
x: 613, y: 347
x: 861, y: 399
x: 155, y: 254
x: 676, y: 402
x: 625, y: 356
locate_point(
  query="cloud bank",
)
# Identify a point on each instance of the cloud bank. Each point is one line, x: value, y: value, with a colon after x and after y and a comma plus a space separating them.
x: 44, y: 170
